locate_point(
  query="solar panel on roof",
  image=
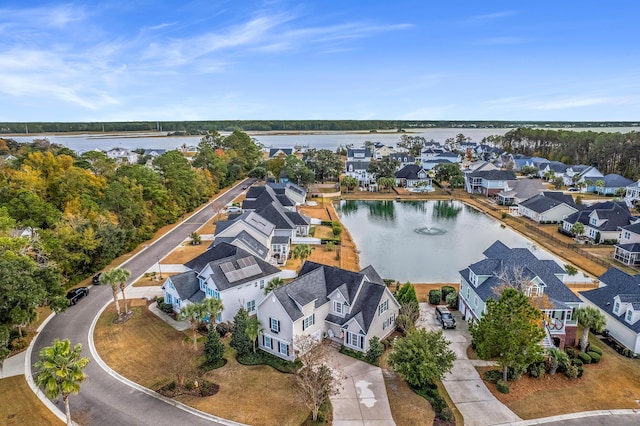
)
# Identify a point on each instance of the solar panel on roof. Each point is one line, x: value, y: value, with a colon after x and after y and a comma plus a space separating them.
x: 227, y: 267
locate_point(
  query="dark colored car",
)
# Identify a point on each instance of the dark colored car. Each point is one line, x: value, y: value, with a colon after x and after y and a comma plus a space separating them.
x: 96, y: 278
x: 244, y: 187
x: 76, y: 294
x: 445, y: 317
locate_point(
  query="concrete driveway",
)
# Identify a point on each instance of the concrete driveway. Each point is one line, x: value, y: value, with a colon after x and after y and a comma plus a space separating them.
x: 464, y: 385
x: 363, y: 397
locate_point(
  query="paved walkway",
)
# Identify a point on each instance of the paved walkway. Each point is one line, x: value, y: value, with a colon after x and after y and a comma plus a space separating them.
x: 363, y: 397
x: 13, y: 366
x: 464, y: 385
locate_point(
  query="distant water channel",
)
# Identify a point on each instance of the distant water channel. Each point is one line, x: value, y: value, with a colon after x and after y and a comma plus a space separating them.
x: 423, y: 241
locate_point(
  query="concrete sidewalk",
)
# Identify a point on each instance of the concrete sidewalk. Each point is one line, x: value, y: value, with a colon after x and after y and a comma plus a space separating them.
x: 13, y: 366
x: 464, y: 385
x: 363, y: 397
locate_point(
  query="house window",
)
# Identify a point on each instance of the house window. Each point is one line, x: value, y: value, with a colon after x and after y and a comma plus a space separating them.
x: 261, y: 284
x: 309, y: 321
x: 468, y: 293
x: 616, y: 308
x: 251, y: 305
x: 627, y: 235
x: 385, y: 324
x: 337, y: 307
x: 629, y: 315
x: 268, y: 343
x: 355, y: 340
x: 592, y: 233
x: 593, y: 221
x: 275, y: 325
x: 283, y: 348
x: 383, y: 307
x: 475, y: 301
x: 202, y: 285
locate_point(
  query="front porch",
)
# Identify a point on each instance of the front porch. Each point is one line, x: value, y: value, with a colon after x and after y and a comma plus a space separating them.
x: 629, y: 254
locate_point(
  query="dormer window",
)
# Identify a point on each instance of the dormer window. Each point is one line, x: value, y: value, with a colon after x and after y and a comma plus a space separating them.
x: 337, y: 307
x: 629, y: 315
x: 593, y: 221
x: 534, y: 290
x: 616, y: 308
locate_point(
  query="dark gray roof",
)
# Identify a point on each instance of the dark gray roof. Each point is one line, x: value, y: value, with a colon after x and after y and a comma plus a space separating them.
x: 214, y: 252
x: 409, y: 171
x: 494, y: 174
x: 316, y: 282
x: 280, y: 239
x: 617, y: 283
x: 503, y: 263
x: 616, y: 181
x: 358, y: 165
x: 635, y: 228
x: 285, y: 151
x: 448, y: 154
x: 548, y: 200
x: 261, y: 196
x: 280, y: 187
x: 631, y: 248
x: 284, y: 200
x: 352, y: 151
x: 186, y: 284
x: 372, y: 275
x: 276, y: 214
x: 400, y: 156
x: 615, y: 218
x: 524, y: 188
x: 245, y: 238
x: 298, y: 219
x: 615, y: 209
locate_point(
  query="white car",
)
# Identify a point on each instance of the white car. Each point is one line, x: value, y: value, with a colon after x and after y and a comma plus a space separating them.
x: 234, y: 209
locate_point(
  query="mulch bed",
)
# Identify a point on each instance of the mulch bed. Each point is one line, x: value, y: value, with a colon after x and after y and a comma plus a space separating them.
x: 123, y: 318
x: 170, y: 390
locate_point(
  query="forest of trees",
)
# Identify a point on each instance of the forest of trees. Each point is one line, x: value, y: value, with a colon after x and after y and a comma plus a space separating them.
x: 81, y: 212
x: 202, y: 127
x: 608, y: 152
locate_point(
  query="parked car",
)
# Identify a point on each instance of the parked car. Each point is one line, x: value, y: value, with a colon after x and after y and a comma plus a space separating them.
x: 445, y: 317
x: 96, y: 278
x: 572, y: 189
x: 234, y: 209
x: 244, y: 187
x: 76, y: 294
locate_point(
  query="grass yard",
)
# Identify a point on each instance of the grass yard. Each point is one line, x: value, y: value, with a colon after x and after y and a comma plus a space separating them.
x: 613, y: 383
x: 20, y: 406
x: 422, y: 290
x: 152, y: 279
x: 184, y: 253
x: 159, y: 349
x: 323, y: 232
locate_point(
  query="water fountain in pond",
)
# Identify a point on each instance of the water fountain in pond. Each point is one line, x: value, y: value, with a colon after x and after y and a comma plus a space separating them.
x: 430, y: 230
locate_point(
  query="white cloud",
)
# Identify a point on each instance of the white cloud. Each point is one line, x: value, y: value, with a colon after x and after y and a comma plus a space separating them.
x: 489, y: 17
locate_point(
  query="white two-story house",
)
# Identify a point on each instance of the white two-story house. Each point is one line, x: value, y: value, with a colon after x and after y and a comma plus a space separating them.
x: 225, y: 272
x: 325, y: 301
x: 628, y: 248
x: 601, y: 220
x: 504, y: 266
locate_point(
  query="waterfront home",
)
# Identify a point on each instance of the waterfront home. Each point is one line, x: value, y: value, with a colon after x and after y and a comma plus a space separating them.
x: 627, y: 250
x: 277, y: 152
x: 381, y: 151
x: 618, y: 298
x: 294, y: 192
x: 601, y: 220
x: 411, y: 176
x: 548, y: 207
x: 225, y: 272
x: 360, y: 171
x: 541, y: 280
x: 359, y: 154
x: 122, y: 155
x: 488, y: 182
x: 519, y: 190
x: 613, y: 184
x: 403, y: 158
x: 324, y: 301
x: 261, y: 196
x: 632, y: 193
x: 249, y: 231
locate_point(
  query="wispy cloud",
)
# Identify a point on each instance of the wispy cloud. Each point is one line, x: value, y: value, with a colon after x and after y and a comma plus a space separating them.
x: 489, y: 17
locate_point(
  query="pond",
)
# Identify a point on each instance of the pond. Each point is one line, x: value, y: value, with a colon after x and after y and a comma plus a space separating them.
x: 423, y: 241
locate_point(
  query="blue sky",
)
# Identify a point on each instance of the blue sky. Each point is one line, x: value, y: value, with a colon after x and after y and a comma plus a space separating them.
x: 130, y: 60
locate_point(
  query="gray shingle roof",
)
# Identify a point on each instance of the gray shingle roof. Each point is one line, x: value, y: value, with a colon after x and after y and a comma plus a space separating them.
x: 617, y: 283
x: 186, y: 284
x: 548, y: 200
x: 409, y: 171
x: 494, y: 174
x: 245, y: 238
x: 582, y: 216
x: 503, y: 263
x: 358, y: 165
x: 616, y: 181
x: 285, y: 151
x: 635, y: 228
x: 261, y: 196
x: 372, y: 275
x: 276, y: 214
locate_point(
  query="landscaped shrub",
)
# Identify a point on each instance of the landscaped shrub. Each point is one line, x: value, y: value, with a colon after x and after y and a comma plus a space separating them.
x: 435, y: 296
x: 504, y: 215
x: 492, y: 376
x: 376, y: 348
x: 537, y: 369
x: 452, y: 300
x: 514, y: 374
x: 584, y: 357
x: 239, y: 339
x: 571, y: 371
x: 502, y: 386
x: 446, y: 290
x: 595, y: 349
x: 439, y: 405
x: 19, y: 344
x: 595, y: 357
x: 223, y: 328
x: 261, y: 357
x: 213, y: 348
x: 571, y: 353
x: 160, y: 300
x: 337, y: 229
x: 406, y: 294
x: 166, y: 308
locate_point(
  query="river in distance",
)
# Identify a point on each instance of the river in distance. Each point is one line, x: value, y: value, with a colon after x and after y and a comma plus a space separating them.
x: 319, y: 140
x: 424, y: 241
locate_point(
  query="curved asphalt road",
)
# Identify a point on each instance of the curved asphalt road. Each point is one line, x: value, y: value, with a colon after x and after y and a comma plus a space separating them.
x: 104, y: 400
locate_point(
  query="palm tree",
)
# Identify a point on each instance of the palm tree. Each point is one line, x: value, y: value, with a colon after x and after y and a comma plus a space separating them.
x: 302, y: 252
x: 122, y: 277
x: 557, y: 358
x: 194, y: 313
x: 253, y: 329
x: 273, y: 284
x: 577, y: 228
x: 589, y: 318
x: 196, y: 239
x: 212, y: 307
x: 111, y: 278
x: 60, y: 371
x: 600, y: 185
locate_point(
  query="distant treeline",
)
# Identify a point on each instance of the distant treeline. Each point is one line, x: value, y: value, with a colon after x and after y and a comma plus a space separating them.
x: 202, y: 127
x: 608, y: 152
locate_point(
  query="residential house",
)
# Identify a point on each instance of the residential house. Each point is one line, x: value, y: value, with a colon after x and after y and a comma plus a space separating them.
x: 601, y: 220
x: 360, y: 171
x: 294, y: 192
x: 381, y: 151
x: 486, y: 152
x: 411, y: 176
x: 448, y: 155
x: 404, y: 158
x: 519, y: 190
x: 277, y: 152
x: 618, y: 298
x: 261, y: 196
x: 613, y: 184
x: 432, y: 164
x: 588, y: 175
x: 429, y: 154
x: 349, y: 307
x: 488, y: 182
x: 548, y: 207
x: 556, y: 169
x: 540, y: 279
x: 633, y: 193
x: 358, y: 154
x: 225, y: 272
x: 627, y: 250
x: 153, y: 153
x: 475, y: 166
x: 249, y: 231
x: 122, y: 155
